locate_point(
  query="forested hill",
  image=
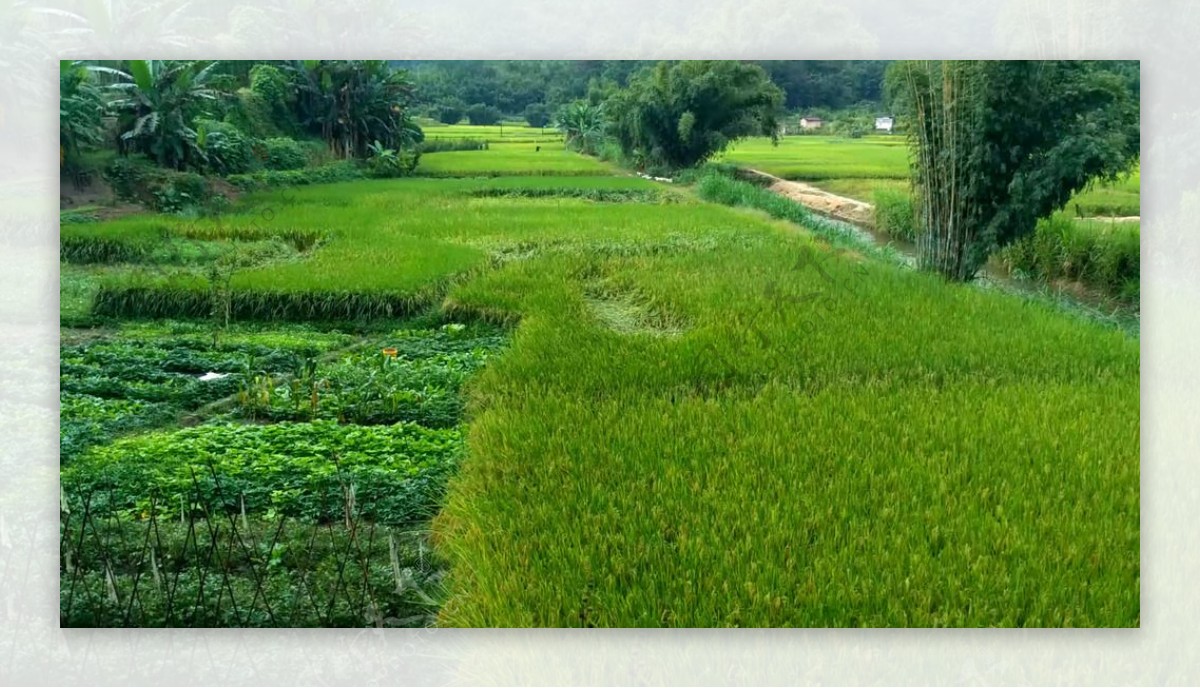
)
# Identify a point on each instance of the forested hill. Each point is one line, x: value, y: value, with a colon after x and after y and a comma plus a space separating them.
x: 511, y: 86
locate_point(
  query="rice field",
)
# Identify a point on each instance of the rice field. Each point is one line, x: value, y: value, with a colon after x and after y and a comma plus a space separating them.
x: 508, y: 131
x: 511, y: 159
x: 823, y: 157
x: 662, y: 411
x: 856, y: 168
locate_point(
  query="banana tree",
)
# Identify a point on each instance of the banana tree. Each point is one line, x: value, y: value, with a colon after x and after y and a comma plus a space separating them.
x: 351, y: 103
x: 582, y: 125
x: 157, y: 101
x: 80, y: 112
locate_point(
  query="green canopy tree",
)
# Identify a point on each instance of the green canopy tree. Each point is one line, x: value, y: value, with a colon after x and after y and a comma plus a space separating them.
x: 998, y: 145
x: 480, y: 113
x: 537, y: 115
x: 450, y: 111
x: 679, y: 114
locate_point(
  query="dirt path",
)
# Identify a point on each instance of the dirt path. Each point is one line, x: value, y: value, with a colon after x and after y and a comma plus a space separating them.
x: 1105, y: 218
x: 837, y: 207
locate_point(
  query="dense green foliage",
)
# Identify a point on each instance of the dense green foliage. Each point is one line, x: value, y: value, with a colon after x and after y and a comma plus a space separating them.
x: 1100, y: 254
x: 420, y: 383
x: 582, y: 124
x: 80, y: 113
x: 297, y: 469
x: 1001, y: 144
x: 514, y: 85
x: 282, y: 153
x: 680, y: 114
x: 827, y: 84
x: 511, y: 86
x: 894, y: 214
x: 244, y: 572
x: 161, y: 189
x: 158, y: 101
x: 451, y: 112
x: 480, y: 114
x: 177, y: 119
x: 352, y: 103
x: 537, y: 115
x: 112, y: 386
x: 223, y: 148
x: 324, y: 174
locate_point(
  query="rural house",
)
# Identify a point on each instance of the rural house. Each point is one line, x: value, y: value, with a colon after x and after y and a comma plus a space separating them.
x: 884, y: 123
x: 810, y: 122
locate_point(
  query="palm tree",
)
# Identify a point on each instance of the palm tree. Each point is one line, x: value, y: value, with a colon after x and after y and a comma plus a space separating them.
x: 157, y: 101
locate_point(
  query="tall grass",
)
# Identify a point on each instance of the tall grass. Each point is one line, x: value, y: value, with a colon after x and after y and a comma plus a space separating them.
x: 118, y: 241
x: 1102, y: 255
x: 895, y: 214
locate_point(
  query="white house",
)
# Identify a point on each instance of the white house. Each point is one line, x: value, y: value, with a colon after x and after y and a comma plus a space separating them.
x: 810, y: 122
x: 884, y: 123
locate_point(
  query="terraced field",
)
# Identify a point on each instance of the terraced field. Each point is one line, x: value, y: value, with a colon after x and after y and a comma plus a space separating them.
x: 625, y: 405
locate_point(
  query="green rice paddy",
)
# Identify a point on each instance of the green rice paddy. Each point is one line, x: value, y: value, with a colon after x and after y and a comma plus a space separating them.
x: 704, y: 416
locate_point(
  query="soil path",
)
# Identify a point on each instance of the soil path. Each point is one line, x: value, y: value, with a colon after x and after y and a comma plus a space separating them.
x: 1105, y: 218
x: 837, y: 207
x: 855, y: 211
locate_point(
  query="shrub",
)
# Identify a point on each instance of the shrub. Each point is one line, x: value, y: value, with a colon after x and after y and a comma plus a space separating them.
x: 127, y: 176
x: 340, y: 171
x: 450, y: 112
x: 387, y: 162
x: 895, y: 214
x: 483, y: 114
x: 851, y: 126
x: 537, y: 115
x: 444, y: 145
x: 250, y: 113
x: 281, y: 153
x: 226, y: 149
x: 137, y: 180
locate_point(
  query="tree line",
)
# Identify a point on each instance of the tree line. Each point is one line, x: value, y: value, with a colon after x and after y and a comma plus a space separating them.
x: 514, y: 88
